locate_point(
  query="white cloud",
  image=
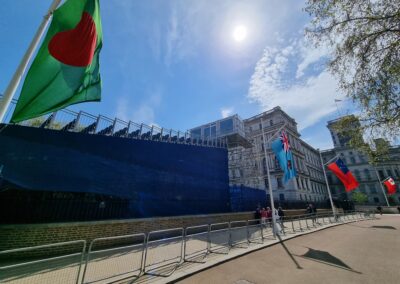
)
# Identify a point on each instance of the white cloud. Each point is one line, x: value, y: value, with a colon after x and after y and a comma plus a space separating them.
x: 145, y: 112
x: 282, y: 77
x: 227, y: 111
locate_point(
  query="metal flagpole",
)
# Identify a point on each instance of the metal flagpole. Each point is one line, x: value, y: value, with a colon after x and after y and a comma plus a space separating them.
x: 383, y: 190
x: 326, y: 180
x: 271, y: 196
x: 16, y: 79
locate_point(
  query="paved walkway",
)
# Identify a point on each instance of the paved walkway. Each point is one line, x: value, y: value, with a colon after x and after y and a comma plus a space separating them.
x: 359, y: 252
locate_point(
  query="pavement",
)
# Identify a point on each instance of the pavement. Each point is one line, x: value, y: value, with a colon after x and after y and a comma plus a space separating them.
x: 357, y: 252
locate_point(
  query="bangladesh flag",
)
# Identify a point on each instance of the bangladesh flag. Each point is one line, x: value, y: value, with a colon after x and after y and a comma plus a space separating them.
x: 66, y: 68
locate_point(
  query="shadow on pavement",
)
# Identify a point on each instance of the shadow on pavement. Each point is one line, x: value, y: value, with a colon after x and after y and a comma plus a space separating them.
x: 373, y: 227
x: 384, y: 227
x: 326, y: 258
x: 288, y: 252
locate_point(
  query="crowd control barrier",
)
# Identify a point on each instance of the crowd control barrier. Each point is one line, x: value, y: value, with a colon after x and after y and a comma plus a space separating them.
x: 158, y: 253
x: 114, y: 258
x: 61, y: 268
x: 163, y: 249
x: 196, y: 245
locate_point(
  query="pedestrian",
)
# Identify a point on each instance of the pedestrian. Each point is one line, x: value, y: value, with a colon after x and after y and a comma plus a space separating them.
x: 263, y: 213
x: 379, y: 209
x: 398, y: 209
x: 314, y: 213
x: 257, y: 214
x: 269, y: 216
x: 281, y: 215
x: 308, y: 209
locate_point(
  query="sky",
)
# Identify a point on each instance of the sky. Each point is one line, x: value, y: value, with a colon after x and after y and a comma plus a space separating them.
x: 180, y: 64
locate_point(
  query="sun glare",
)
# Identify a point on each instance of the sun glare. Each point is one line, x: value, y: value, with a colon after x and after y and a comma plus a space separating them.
x: 239, y: 33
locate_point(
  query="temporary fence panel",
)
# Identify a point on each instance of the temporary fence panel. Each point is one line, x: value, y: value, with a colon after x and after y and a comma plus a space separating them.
x: 238, y: 233
x: 114, y: 258
x: 219, y: 238
x: 163, y: 249
x: 196, y: 242
x: 267, y: 229
x: 61, y: 267
x: 254, y: 231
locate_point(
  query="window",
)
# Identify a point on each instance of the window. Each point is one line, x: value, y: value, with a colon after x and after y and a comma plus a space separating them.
x: 389, y: 172
x: 301, y: 197
x: 329, y: 179
x: 281, y: 197
x: 367, y: 174
x: 279, y: 182
x: 397, y: 173
x: 376, y: 199
x: 196, y: 133
x: 266, y: 183
x: 381, y: 174
x: 352, y: 160
x: 357, y: 174
x: 260, y: 126
x: 226, y: 126
x: 372, y: 189
x: 276, y: 163
x: 271, y: 122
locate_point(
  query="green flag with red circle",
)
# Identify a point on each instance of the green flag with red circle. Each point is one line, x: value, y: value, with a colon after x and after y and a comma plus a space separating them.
x: 65, y: 70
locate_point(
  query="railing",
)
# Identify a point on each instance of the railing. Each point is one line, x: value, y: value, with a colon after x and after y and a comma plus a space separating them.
x: 82, y: 122
x: 158, y: 253
x: 61, y: 268
x: 114, y: 258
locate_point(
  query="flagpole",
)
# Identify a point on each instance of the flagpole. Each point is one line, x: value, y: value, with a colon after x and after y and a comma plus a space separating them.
x: 271, y: 196
x: 326, y: 181
x: 383, y: 190
x: 16, y: 79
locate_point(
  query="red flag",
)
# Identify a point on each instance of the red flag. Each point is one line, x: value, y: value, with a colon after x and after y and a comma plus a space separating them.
x: 343, y: 173
x: 390, y: 185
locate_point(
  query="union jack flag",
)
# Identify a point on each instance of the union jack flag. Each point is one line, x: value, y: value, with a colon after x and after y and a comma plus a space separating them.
x: 285, y: 142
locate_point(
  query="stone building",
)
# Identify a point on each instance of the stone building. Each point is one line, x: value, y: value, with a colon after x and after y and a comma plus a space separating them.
x: 365, y: 173
x: 247, y: 162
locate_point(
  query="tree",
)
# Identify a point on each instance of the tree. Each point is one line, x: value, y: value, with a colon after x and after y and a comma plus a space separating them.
x: 365, y: 36
x: 360, y: 197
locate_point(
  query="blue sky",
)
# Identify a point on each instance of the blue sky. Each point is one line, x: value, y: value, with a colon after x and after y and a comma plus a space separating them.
x: 177, y: 65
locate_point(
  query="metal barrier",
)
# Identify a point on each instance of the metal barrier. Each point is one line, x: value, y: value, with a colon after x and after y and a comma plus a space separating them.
x: 238, y: 233
x: 160, y: 254
x: 196, y: 243
x: 114, y: 258
x: 255, y: 231
x: 219, y: 238
x: 163, y: 249
x: 62, y: 268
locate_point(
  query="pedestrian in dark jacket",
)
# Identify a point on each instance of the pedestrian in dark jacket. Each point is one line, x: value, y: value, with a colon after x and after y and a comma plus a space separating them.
x: 257, y: 214
x: 281, y: 215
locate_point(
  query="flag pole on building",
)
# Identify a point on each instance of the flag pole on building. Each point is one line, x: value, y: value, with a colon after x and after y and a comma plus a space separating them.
x: 326, y: 180
x: 16, y: 79
x: 383, y: 190
x: 271, y: 196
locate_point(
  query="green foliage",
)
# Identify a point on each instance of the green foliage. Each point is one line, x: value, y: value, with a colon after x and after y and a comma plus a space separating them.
x: 349, y: 126
x: 360, y: 197
x: 365, y: 36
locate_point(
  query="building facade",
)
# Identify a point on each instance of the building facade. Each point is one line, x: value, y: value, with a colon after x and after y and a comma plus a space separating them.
x: 247, y: 158
x: 369, y: 177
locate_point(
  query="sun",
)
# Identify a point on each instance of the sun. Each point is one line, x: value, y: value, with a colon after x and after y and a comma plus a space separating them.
x: 239, y: 33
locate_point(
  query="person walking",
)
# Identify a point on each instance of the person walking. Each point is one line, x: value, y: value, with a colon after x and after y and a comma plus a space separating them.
x: 263, y: 213
x: 257, y: 214
x: 281, y: 215
x: 269, y: 216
